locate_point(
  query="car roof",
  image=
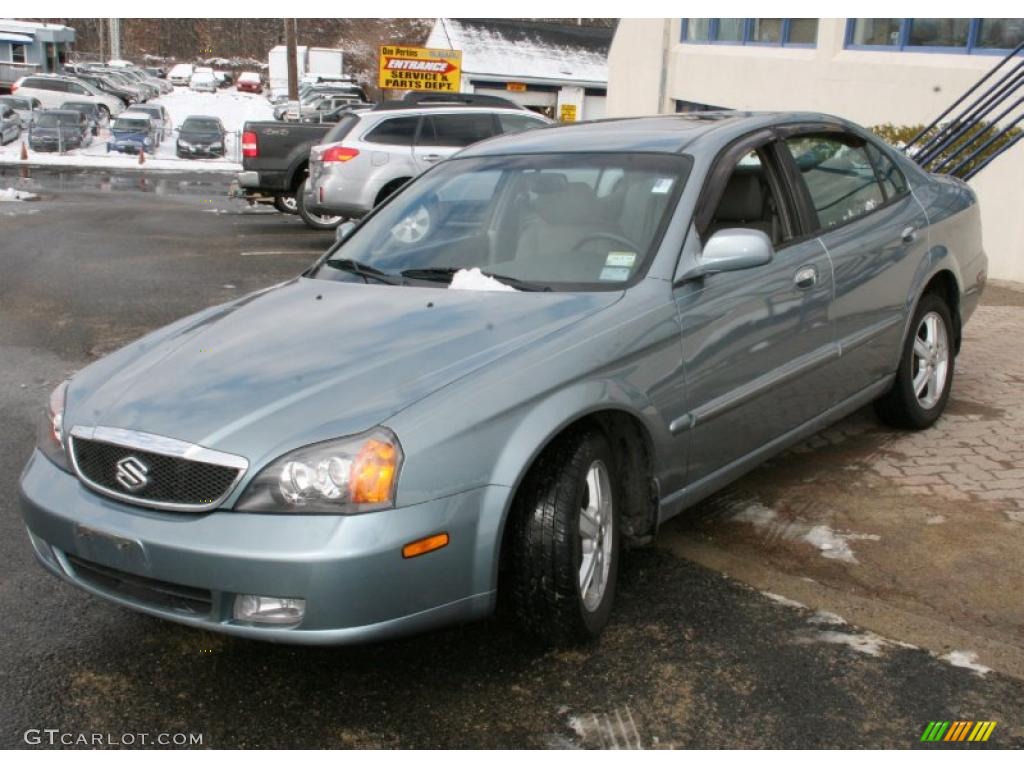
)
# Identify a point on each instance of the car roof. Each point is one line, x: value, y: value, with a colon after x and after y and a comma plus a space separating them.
x: 662, y: 133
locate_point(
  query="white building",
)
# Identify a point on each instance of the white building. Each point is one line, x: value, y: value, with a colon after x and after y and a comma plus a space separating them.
x: 560, y: 70
x: 872, y: 71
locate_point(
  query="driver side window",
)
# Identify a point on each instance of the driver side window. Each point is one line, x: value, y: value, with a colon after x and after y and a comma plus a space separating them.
x: 751, y: 199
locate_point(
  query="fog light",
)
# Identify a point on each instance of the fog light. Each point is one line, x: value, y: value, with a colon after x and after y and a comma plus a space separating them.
x: 269, y: 610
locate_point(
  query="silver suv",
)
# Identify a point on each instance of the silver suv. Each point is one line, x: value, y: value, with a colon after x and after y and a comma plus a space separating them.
x: 369, y: 155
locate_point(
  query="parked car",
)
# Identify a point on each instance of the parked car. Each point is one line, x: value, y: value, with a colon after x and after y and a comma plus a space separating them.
x: 25, y: 107
x: 180, y: 74
x: 314, y: 105
x: 310, y: 91
x: 158, y: 72
x: 58, y: 130
x: 696, y: 293
x: 275, y: 159
x: 151, y: 90
x: 204, y: 81
x: 54, y: 90
x: 201, y: 136
x: 224, y: 79
x: 250, y: 82
x: 133, y: 132
x: 10, y: 124
x: 335, y: 114
x: 345, y: 181
x: 125, y: 93
x: 93, y: 117
x: 161, y: 119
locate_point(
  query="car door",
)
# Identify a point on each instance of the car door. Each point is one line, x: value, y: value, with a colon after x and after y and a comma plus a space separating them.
x: 757, y: 342
x: 444, y: 134
x: 875, y: 233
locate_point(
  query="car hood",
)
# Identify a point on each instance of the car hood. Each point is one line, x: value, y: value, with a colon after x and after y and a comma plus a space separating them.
x: 310, y: 360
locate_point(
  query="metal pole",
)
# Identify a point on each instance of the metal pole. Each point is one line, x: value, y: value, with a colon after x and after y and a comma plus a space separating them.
x: 993, y: 156
x: 983, y: 147
x: 967, y: 93
x: 115, y: 38
x: 293, y: 70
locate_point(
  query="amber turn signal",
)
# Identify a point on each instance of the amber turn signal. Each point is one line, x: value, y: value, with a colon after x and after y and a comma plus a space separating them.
x: 421, y: 547
x: 373, y: 473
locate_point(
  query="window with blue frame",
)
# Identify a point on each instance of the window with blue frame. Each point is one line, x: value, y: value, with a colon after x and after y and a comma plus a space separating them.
x: 936, y: 35
x: 782, y: 32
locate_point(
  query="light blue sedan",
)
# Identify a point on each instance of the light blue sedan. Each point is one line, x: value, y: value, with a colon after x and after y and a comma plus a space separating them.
x: 526, y: 360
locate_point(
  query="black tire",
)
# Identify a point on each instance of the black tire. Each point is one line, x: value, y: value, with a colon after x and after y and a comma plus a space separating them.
x: 900, y: 406
x: 541, y: 579
x: 312, y: 220
x: 286, y: 204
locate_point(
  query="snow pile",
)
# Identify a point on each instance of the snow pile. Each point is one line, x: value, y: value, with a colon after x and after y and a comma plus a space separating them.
x: 11, y: 195
x: 835, y: 545
x: 475, y: 280
x: 967, y: 660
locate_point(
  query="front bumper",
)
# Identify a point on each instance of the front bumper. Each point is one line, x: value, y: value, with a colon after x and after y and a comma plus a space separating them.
x: 199, y: 153
x: 348, y: 569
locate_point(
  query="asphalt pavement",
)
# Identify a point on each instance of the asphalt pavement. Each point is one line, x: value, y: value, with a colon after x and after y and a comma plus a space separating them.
x: 693, y: 658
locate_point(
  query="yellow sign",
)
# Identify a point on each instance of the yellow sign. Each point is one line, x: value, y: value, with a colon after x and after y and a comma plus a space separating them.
x: 420, y: 69
x: 567, y: 113
x: 519, y: 87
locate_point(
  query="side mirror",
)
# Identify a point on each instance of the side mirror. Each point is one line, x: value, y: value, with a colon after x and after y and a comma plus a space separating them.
x: 729, y: 250
x: 344, y: 230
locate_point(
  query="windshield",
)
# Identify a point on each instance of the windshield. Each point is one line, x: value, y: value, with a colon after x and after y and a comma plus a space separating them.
x: 52, y: 120
x: 201, y: 125
x: 548, y: 222
x: 131, y: 125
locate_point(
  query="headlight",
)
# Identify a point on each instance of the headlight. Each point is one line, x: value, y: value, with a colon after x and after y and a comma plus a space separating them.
x: 51, y: 429
x: 340, y: 477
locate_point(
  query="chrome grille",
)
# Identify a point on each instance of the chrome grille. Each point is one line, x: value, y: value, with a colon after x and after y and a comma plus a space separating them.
x: 152, y: 470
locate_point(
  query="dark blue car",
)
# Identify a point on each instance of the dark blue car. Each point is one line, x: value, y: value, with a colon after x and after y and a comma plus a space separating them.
x: 132, y: 132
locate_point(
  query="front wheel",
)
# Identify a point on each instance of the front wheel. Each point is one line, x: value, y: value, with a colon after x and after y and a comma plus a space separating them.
x: 314, y: 221
x: 286, y: 204
x: 925, y: 377
x: 563, y: 552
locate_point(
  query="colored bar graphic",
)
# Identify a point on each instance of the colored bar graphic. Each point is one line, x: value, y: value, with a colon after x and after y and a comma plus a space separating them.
x: 958, y: 730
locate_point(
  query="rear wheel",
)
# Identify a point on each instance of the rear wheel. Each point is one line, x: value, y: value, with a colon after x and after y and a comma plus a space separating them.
x: 314, y: 221
x: 564, y: 541
x: 925, y: 377
x: 286, y: 204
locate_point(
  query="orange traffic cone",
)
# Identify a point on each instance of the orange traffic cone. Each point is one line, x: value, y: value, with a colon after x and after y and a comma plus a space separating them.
x: 24, y: 152
x: 142, y: 156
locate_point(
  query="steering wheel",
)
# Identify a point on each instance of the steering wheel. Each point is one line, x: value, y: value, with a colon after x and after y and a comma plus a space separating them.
x: 620, y: 239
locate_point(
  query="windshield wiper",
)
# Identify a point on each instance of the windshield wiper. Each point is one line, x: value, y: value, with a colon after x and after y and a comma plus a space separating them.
x: 444, y: 274
x: 365, y: 271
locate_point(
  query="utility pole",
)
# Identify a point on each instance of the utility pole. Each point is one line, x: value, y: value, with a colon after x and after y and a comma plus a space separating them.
x: 115, y: 38
x: 293, y: 68
x: 102, y: 36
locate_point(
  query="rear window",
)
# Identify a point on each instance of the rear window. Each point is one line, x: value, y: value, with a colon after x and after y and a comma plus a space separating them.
x: 396, y: 130
x: 457, y: 130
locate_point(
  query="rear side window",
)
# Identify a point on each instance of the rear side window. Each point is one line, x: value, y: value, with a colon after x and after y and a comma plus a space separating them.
x: 397, y: 130
x: 894, y: 183
x: 456, y: 130
x: 341, y: 129
x: 40, y: 84
x: 839, y: 177
x: 517, y: 123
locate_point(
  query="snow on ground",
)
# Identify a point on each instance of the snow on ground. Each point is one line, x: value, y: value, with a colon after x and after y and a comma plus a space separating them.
x: 967, y: 660
x: 232, y: 107
x: 12, y: 195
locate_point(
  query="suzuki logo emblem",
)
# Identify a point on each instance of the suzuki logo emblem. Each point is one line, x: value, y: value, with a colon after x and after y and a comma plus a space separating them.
x: 132, y: 473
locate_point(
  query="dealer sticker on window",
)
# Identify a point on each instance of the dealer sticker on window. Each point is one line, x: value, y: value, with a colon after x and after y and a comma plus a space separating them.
x: 620, y: 259
x: 661, y: 187
x: 615, y: 274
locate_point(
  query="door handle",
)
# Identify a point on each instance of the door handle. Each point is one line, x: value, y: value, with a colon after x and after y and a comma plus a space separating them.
x: 909, y: 235
x: 805, y: 278
x: 430, y: 158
